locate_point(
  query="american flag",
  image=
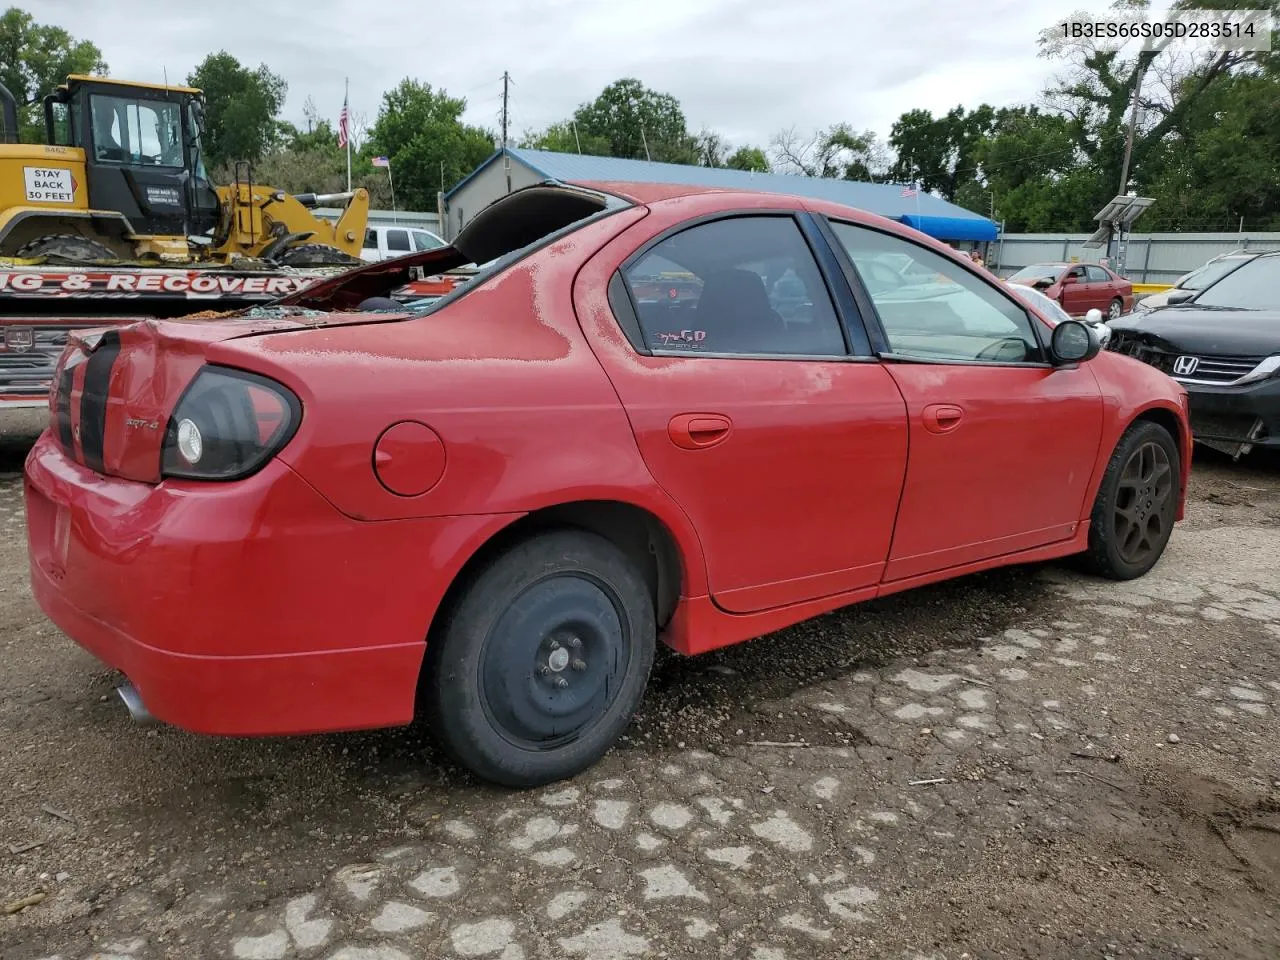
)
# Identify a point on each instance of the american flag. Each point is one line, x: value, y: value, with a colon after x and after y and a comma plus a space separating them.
x: 382, y: 161
x: 908, y: 191
x: 343, y: 119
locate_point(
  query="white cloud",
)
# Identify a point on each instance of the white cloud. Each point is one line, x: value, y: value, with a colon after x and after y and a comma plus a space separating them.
x: 746, y: 68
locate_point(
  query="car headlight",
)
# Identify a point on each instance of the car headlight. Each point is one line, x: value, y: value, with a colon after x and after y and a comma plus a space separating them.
x: 1267, y: 368
x: 228, y: 424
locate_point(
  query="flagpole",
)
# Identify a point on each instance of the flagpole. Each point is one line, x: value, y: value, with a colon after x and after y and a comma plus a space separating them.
x: 346, y: 100
x: 392, y: 185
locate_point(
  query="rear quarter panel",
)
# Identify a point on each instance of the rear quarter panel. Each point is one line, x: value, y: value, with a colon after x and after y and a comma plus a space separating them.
x: 503, y: 375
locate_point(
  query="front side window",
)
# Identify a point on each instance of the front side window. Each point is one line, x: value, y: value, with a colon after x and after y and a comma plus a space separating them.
x: 1210, y: 273
x: 743, y: 285
x: 137, y: 131
x: 371, y: 239
x: 398, y: 240
x: 955, y: 316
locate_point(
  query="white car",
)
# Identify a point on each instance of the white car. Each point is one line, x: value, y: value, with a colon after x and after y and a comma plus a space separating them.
x: 385, y: 240
x: 1053, y: 310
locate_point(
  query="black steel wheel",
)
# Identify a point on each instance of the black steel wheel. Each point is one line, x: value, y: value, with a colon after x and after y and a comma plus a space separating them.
x: 66, y: 248
x: 543, y: 661
x: 1133, y: 515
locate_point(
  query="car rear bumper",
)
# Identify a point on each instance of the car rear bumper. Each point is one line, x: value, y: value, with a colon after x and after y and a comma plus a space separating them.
x: 1248, y: 414
x: 243, y: 608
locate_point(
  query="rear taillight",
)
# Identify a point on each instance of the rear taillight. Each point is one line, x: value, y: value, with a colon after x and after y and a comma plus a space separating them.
x: 227, y: 425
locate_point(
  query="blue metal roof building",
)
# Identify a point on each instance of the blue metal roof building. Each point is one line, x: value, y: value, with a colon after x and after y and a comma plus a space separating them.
x: 516, y: 167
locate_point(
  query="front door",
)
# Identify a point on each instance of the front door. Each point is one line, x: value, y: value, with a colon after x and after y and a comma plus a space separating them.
x: 785, y: 445
x: 1076, y: 296
x: 1002, y: 444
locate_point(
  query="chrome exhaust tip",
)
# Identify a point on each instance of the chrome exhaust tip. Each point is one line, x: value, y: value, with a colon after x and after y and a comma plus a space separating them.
x: 133, y: 703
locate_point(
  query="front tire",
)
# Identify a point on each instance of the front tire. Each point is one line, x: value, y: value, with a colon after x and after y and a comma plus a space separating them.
x: 1133, y: 514
x: 542, y: 661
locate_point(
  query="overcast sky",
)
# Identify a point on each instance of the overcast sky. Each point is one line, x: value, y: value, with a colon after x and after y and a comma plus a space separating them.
x: 746, y: 68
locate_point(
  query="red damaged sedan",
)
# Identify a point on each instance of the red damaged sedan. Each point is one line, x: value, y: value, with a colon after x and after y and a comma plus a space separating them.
x: 1080, y: 287
x: 660, y: 414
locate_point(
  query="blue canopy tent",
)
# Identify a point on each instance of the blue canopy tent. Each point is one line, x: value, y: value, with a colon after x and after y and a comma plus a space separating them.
x: 924, y: 212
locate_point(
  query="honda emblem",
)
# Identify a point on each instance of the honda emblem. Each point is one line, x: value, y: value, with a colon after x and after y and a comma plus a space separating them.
x: 1185, y: 366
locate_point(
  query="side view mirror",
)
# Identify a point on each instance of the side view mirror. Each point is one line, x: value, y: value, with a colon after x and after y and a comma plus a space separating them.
x: 1179, y: 296
x: 1093, y: 316
x: 1074, y: 342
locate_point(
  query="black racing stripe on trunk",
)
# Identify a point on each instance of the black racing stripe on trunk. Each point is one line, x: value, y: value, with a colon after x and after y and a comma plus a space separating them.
x: 62, y: 410
x: 93, y: 399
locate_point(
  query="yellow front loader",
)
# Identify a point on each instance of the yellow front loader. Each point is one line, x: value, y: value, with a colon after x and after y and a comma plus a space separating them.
x: 121, y: 178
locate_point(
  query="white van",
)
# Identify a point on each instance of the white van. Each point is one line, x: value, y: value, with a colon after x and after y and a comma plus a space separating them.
x: 384, y: 241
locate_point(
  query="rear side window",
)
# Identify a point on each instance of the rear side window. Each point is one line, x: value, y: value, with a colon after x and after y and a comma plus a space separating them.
x: 940, y: 311
x: 371, y: 239
x: 398, y: 240
x: 1097, y: 274
x: 743, y: 285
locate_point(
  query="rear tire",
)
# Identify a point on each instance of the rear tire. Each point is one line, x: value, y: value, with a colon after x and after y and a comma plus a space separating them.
x: 1133, y: 514
x: 316, y: 255
x: 1115, y: 308
x: 66, y: 247
x: 542, y: 661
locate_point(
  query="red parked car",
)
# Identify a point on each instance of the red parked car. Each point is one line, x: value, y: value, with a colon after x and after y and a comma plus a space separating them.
x: 333, y: 513
x: 1080, y: 287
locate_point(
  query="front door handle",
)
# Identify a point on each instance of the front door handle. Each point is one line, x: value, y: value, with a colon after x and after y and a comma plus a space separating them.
x: 697, y: 431
x: 942, y: 417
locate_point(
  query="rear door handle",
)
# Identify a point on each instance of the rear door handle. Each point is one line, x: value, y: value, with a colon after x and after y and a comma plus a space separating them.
x: 697, y: 431
x: 942, y: 417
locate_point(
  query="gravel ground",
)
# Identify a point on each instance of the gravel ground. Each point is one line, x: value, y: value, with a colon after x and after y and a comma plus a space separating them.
x: 1023, y: 763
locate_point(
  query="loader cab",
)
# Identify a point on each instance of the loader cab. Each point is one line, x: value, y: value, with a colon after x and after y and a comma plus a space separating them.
x: 142, y: 149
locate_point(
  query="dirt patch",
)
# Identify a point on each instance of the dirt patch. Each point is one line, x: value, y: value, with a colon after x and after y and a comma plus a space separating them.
x: 924, y: 776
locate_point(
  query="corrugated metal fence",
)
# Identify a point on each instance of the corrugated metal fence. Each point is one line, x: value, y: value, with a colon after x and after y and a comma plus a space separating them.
x: 1149, y: 257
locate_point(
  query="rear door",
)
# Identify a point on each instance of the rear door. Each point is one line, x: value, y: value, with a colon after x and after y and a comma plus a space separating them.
x: 1002, y: 443
x: 783, y: 441
x: 1101, y: 288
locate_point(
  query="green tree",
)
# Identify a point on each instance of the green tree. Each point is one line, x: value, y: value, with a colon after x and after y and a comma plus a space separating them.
x: 939, y: 152
x: 748, y: 158
x: 430, y: 148
x: 561, y: 137
x: 1224, y: 165
x: 838, y: 152
x: 241, y: 107
x: 312, y: 162
x: 34, y: 59
x: 638, y: 122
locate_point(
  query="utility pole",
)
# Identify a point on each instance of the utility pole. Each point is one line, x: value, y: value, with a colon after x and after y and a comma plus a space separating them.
x: 1133, y: 126
x: 645, y: 141
x: 1118, y: 253
x: 506, y: 80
